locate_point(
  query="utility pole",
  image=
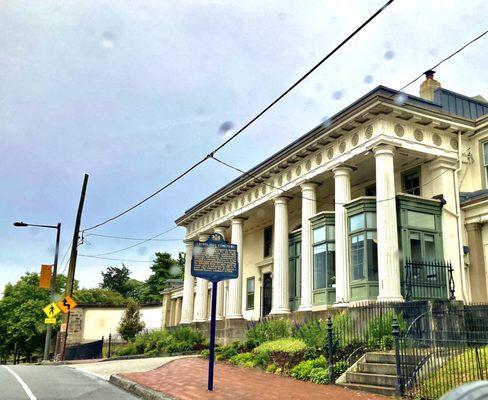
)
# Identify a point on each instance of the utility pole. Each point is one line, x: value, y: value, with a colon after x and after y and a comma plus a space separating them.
x: 49, y: 327
x: 73, y: 256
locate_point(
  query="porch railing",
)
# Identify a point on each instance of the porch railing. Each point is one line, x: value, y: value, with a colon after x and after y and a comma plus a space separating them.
x: 428, y: 280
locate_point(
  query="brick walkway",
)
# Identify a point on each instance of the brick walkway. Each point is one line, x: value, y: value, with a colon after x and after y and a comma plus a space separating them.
x: 186, y: 379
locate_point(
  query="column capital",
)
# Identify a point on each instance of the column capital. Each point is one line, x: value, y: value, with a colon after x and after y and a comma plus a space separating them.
x: 443, y: 163
x: 220, y: 228
x: 188, y: 241
x: 473, y: 226
x: 202, y: 237
x: 237, y: 220
x: 308, y: 185
x: 343, y: 170
x: 384, y: 149
x: 281, y: 199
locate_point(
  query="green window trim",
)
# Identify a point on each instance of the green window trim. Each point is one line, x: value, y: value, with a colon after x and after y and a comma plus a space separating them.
x: 411, y: 182
x: 363, y: 256
x: 323, y: 253
x: 250, y: 290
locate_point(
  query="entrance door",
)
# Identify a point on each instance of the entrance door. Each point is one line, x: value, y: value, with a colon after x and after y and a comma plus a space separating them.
x: 267, y: 295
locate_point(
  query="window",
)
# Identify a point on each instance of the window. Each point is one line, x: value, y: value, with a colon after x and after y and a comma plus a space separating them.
x: 485, y: 161
x: 250, y: 293
x: 268, y: 241
x: 294, y: 261
x: 411, y: 182
x: 323, y: 257
x: 370, y: 190
x: 363, y: 246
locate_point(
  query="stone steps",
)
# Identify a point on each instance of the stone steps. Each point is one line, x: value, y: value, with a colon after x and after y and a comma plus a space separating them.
x: 375, y: 373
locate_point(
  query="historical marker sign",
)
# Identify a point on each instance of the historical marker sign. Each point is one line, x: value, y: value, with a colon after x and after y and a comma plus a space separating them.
x: 214, y: 259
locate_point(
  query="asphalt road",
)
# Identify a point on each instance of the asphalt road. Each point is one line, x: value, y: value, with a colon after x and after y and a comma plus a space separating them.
x: 36, y: 382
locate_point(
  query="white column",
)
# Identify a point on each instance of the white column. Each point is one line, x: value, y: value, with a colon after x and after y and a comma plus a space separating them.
x: 234, y: 299
x: 188, y: 287
x: 443, y: 181
x: 201, y: 298
x: 220, y: 285
x: 386, y: 223
x: 342, y: 195
x: 309, y: 208
x: 281, y: 300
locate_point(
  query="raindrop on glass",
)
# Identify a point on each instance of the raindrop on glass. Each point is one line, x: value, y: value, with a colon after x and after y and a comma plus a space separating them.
x: 260, y: 213
x: 400, y: 99
x: 318, y: 86
x: 368, y: 79
x: 325, y: 122
x: 389, y: 55
x: 197, y: 251
x: 337, y: 95
x: 142, y: 251
x: 175, y: 270
x: 433, y: 52
x: 227, y: 129
x: 210, y: 251
x: 386, y: 45
x: 108, y: 40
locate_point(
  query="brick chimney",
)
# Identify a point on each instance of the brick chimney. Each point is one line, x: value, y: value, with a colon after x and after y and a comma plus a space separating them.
x: 428, y: 86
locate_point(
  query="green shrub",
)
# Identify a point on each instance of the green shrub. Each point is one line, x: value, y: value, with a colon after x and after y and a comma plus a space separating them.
x: 320, y: 375
x: 205, y: 353
x: 302, y: 370
x: 381, y: 327
x: 313, y: 333
x: 340, y: 367
x: 285, y: 353
x: 271, y: 368
x: 267, y: 331
x: 247, y: 360
x: 229, y: 351
x: 128, y: 350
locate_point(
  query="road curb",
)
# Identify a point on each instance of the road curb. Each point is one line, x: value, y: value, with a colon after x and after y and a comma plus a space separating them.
x: 137, y: 389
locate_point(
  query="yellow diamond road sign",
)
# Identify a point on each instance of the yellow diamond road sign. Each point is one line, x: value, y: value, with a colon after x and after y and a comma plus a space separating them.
x: 51, y: 310
x: 50, y: 320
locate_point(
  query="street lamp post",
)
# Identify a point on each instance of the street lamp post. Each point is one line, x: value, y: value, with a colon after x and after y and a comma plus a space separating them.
x: 53, y: 280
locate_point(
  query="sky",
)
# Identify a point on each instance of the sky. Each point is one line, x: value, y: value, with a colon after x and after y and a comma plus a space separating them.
x: 133, y: 92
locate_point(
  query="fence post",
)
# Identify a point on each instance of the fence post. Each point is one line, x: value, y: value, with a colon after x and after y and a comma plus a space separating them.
x: 452, y: 288
x: 15, y: 353
x: 396, y: 335
x: 101, y: 348
x: 330, y: 343
x: 109, y: 344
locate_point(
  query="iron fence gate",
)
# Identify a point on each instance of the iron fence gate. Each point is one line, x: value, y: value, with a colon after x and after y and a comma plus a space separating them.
x: 84, y: 351
x: 428, y: 280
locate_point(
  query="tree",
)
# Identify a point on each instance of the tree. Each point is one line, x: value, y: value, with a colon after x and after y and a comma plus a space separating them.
x: 130, y: 324
x: 160, y: 273
x: 116, y: 279
x: 22, y: 318
x: 99, y: 295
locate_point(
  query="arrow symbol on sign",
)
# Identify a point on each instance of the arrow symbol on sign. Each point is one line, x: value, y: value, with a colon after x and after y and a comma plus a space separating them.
x: 66, y: 304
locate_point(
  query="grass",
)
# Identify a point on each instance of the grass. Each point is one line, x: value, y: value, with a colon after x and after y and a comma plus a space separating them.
x: 469, y: 365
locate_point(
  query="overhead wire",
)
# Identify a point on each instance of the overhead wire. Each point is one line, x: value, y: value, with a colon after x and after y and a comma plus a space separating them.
x: 254, y: 119
x: 115, y: 259
x: 131, y: 238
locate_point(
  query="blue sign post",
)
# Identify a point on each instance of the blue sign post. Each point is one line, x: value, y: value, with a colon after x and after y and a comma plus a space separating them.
x: 214, y: 260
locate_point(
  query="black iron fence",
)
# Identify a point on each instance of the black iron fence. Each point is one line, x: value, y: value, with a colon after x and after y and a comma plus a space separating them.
x: 84, y: 351
x: 428, y: 280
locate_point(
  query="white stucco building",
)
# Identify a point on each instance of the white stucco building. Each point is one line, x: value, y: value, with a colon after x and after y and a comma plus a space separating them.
x: 332, y: 218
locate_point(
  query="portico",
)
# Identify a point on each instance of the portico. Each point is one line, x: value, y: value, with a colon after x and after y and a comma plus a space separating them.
x: 330, y: 220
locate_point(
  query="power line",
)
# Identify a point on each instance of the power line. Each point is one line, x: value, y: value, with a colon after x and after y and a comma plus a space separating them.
x: 115, y: 259
x: 150, y: 196
x: 254, y: 119
x: 445, y: 59
x: 136, y: 244
x: 132, y: 238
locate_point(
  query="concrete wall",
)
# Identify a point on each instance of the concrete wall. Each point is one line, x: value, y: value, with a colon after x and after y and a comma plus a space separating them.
x: 101, y: 321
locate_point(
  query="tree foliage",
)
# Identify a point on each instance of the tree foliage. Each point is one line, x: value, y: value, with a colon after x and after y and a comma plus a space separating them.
x: 161, y: 272
x: 130, y: 324
x: 99, y: 295
x: 22, y: 318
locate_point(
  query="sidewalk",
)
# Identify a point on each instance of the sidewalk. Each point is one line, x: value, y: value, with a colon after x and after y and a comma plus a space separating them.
x: 186, y: 379
x: 104, y: 369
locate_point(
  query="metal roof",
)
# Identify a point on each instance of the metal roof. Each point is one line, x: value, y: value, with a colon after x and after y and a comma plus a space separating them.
x: 464, y: 106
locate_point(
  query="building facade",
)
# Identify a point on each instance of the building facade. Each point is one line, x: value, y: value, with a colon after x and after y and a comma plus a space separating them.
x: 333, y: 218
